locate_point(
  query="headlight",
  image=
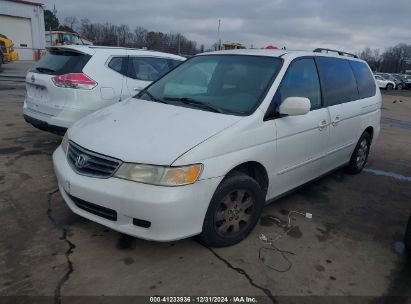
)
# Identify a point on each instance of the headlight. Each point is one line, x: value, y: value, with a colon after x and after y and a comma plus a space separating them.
x: 64, y: 143
x: 159, y: 175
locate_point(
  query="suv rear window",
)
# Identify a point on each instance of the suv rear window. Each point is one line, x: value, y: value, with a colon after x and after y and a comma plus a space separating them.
x: 365, y: 80
x: 59, y: 62
x: 340, y: 83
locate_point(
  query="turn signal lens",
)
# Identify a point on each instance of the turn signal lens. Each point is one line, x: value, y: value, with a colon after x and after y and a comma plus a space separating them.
x: 182, y: 175
x: 74, y: 81
x: 64, y: 143
x: 159, y: 175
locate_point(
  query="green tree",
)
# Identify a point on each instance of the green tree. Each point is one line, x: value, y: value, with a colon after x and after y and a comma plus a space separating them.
x: 51, y: 22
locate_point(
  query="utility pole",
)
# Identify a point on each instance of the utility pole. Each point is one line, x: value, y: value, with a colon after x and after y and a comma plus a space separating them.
x: 50, y: 29
x: 219, y: 38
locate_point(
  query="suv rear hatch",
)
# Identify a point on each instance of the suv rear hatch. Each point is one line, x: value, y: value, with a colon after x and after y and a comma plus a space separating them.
x: 42, y: 94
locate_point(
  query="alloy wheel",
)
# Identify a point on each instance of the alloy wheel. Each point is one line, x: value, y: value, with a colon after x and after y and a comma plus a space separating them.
x: 234, y: 213
x: 362, y: 153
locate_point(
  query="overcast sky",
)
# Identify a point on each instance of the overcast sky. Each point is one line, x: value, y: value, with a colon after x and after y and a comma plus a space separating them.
x: 348, y: 25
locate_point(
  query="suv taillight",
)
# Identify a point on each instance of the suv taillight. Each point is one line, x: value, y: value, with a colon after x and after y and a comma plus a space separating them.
x: 74, y: 81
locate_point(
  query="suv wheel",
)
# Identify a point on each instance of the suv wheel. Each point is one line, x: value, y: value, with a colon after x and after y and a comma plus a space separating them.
x: 389, y: 87
x: 233, y: 211
x: 360, y: 155
x: 400, y: 86
x: 407, y: 238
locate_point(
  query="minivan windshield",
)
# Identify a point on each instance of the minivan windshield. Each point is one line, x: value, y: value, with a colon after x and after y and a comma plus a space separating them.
x: 230, y: 84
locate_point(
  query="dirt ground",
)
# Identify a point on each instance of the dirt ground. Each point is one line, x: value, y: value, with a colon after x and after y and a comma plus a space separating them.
x: 346, y: 249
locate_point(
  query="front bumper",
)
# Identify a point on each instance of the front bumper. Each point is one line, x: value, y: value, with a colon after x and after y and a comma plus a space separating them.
x: 173, y: 212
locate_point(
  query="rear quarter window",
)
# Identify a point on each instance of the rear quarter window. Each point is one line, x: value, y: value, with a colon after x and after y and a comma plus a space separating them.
x: 147, y: 68
x: 116, y: 64
x: 365, y: 80
x: 174, y: 63
x: 339, y: 80
x: 59, y: 62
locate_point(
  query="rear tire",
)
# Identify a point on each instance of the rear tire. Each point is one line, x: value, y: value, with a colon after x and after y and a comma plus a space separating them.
x: 360, y: 155
x: 389, y: 87
x: 400, y: 87
x: 233, y: 211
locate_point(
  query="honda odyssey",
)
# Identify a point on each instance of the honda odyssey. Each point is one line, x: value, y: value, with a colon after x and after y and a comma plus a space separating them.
x: 201, y: 150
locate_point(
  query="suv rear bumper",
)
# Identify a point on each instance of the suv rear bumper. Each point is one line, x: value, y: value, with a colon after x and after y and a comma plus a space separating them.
x: 42, y: 125
x: 53, y: 123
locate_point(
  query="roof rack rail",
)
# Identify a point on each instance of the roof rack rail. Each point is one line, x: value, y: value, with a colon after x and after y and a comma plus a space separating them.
x: 321, y: 50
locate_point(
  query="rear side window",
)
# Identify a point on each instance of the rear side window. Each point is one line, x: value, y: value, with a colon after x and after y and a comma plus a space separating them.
x: 301, y: 80
x: 174, y: 63
x: 365, y: 80
x: 147, y: 68
x: 339, y: 80
x: 59, y: 62
x: 116, y: 64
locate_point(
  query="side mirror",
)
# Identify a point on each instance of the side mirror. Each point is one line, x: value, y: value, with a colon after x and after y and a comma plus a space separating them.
x: 293, y: 106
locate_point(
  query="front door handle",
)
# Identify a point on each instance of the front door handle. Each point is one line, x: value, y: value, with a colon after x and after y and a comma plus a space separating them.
x: 336, y: 120
x: 322, y: 125
x: 137, y: 89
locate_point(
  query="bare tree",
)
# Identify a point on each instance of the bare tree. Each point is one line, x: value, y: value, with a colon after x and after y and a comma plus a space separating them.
x: 111, y: 34
x: 140, y: 37
x: 396, y: 59
x: 372, y: 57
x: 71, y: 22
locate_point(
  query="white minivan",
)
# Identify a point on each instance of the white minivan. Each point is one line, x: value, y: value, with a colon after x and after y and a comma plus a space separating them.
x: 201, y: 150
x: 72, y: 81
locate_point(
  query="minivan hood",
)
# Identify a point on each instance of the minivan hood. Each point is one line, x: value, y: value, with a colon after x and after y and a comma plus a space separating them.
x: 148, y: 132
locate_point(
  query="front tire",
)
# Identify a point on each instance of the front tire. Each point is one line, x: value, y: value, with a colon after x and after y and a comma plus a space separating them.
x: 389, y: 87
x: 360, y: 155
x: 400, y: 87
x: 233, y: 211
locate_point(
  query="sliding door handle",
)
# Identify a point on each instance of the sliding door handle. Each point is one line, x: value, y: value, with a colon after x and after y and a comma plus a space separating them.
x: 336, y: 120
x: 322, y: 125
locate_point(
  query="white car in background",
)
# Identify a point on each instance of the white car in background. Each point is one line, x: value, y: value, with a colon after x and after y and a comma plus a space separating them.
x: 70, y: 82
x: 384, y: 83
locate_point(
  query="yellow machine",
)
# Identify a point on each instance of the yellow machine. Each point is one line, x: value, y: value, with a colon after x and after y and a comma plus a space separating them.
x: 232, y: 46
x: 55, y: 38
x: 7, y: 54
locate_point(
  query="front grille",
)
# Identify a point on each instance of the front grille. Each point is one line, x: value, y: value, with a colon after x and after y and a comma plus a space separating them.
x: 89, y: 163
x: 107, y: 213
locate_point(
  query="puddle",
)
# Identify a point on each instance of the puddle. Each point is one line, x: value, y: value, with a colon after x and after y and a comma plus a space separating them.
x: 396, y: 176
x: 396, y: 123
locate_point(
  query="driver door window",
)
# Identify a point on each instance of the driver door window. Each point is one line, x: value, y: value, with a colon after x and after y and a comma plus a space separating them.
x: 301, y: 80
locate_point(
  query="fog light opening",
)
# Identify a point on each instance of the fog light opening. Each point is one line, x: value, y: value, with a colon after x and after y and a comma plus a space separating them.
x: 141, y: 223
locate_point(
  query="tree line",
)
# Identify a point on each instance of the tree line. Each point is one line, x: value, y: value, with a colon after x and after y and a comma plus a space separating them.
x: 109, y: 34
x: 396, y: 59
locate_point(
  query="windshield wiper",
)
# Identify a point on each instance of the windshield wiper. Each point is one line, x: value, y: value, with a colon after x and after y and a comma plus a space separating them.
x: 45, y: 70
x: 152, y: 97
x: 196, y: 103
